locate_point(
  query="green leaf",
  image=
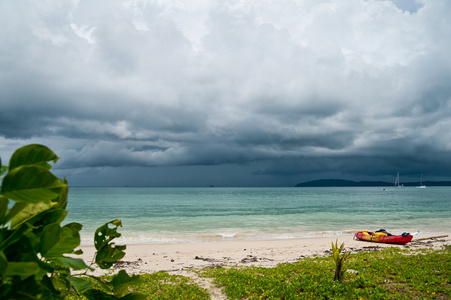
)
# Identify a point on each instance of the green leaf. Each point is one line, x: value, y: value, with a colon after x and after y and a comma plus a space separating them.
x: 17, y: 207
x: 56, y: 240
x: 74, y: 226
x: 33, y: 154
x: 30, y: 288
x: 72, y: 263
x: 31, y: 184
x: 3, y: 264
x: 80, y: 285
x: 61, y: 284
x: 53, y: 215
x: 108, y: 253
x: 78, y: 252
x: 134, y: 296
x: 3, y: 169
x: 3, y: 209
x: 104, y: 234
x: 13, y: 236
x: 29, y: 211
x: 22, y: 269
x: 63, y: 196
x: 50, y: 237
x: 122, y: 280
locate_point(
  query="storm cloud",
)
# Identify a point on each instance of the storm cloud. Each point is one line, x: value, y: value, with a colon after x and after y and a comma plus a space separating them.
x: 146, y: 92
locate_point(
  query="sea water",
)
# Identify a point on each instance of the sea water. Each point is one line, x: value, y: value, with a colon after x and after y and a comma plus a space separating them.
x: 176, y: 215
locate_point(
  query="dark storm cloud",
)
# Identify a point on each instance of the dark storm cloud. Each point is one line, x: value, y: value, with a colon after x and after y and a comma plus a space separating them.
x: 281, y: 91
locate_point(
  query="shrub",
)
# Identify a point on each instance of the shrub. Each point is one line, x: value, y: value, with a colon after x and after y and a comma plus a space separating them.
x: 339, y: 261
x: 33, y: 243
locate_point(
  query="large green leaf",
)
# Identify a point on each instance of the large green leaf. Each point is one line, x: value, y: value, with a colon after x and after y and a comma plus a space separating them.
x: 107, y: 252
x: 31, y: 184
x: 17, y: 208
x: 22, y: 269
x: 33, y: 154
x: 29, y: 211
x: 56, y: 240
x: 104, y: 234
x: 63, y: 196
x: 53, y: 215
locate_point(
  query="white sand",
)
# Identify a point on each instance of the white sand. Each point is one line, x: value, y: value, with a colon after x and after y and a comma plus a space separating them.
x: 178, y: 258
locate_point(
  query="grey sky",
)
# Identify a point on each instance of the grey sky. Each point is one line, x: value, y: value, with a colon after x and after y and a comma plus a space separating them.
x: 231, y: 93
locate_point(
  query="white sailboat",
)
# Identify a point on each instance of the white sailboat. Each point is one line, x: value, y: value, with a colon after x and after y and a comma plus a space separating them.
x: 397, y: 184
x: 421, y: 186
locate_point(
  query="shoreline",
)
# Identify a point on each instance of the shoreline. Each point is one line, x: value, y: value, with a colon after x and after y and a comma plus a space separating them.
x: 153, y: 239
x: 182, y: 257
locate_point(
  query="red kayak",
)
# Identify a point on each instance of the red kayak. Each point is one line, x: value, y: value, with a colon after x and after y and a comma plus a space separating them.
x: 382, y: 236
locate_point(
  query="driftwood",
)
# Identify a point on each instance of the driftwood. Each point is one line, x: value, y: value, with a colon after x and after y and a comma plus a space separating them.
x: 430, y: 238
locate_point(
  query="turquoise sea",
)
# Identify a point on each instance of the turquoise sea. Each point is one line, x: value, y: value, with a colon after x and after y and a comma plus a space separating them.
x: 175, y: 215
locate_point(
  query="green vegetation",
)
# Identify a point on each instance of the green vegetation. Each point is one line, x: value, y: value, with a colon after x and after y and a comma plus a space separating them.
x: 34, y: 246
x: 339, y: 261
x: 388, y: 274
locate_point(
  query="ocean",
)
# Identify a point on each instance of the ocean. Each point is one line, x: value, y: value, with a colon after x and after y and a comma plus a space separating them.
x: 189, y: 215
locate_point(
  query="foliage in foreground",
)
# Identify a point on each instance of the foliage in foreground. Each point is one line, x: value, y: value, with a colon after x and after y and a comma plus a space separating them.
x: 34, y: 246
x: 388, y: 274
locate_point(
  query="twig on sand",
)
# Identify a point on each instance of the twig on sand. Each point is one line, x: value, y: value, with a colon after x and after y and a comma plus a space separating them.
x: 430, y: 238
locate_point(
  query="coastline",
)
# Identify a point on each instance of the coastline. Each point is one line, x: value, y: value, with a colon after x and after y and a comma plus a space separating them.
x: 183, y: 257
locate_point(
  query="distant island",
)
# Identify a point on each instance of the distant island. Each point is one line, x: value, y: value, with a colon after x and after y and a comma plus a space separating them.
x: 350, y: 183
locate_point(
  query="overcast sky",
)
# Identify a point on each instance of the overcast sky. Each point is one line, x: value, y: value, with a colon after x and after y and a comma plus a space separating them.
x: 229, y: 93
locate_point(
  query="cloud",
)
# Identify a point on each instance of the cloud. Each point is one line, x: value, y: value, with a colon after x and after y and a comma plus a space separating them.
x: 286, y: 88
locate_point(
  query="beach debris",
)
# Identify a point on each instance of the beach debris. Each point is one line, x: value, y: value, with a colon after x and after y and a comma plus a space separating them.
x: 122, y: 264
x: 430, y: 238
x: 371, y: 248
x: 214, y: 266
x: 206, y: 259
x: 249, y: 258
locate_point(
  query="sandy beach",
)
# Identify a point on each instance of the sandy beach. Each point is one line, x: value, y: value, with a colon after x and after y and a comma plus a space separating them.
x: 180, y: 258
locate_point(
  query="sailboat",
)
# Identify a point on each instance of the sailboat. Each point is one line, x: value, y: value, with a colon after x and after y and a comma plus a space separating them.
x: 397, y: 184
x: 421, y: 186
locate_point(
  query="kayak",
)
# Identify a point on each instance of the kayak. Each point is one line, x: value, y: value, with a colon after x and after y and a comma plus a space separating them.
x: 382, y: 236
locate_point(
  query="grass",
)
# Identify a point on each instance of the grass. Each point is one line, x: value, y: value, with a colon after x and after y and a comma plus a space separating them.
x: 391, y: 273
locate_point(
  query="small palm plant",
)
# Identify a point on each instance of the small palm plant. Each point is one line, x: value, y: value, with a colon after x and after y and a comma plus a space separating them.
x: 340, y: 269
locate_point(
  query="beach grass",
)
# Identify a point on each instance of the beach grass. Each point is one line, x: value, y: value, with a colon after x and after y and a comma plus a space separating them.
x: 391, y: 273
